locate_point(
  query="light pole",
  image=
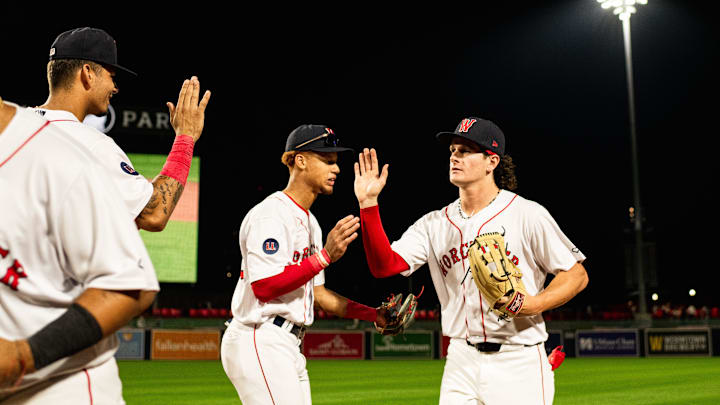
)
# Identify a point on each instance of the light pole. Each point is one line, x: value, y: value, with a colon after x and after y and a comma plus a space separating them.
x: 624, y: 9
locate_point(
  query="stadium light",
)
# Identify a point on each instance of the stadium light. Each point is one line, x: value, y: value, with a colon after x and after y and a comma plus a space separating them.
x: 692, y: 292
x: 624, y: 9
x: 655, y: 297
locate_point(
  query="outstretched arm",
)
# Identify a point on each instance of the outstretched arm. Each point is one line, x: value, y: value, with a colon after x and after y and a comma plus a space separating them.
x: 369, y: 181
x: 336, y: 304
x: 188, y: 120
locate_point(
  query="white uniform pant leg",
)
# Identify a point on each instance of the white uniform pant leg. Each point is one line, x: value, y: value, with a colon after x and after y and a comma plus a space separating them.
x: 93, y: 386
x: 515, y: 375
x: 265, y: 365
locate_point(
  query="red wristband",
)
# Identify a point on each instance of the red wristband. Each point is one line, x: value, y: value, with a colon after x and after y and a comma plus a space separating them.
x: 360, y: 311
x: 179, y: 159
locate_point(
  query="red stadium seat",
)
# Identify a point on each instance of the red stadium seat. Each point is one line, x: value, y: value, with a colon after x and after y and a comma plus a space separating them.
x: 224, y: 312
x: 715, y: 312
x: 214, y: 313
x: 204, y: 312
x: 165, y: 312
x: 193, y: 312
x: 156, y: 312
x: 175, y: 312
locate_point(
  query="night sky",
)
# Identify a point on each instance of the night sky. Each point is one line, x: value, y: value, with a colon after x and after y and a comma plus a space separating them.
x: 551, y: 76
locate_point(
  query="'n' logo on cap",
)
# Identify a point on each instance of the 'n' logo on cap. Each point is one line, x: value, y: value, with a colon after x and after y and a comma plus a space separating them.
x: 466, y: 124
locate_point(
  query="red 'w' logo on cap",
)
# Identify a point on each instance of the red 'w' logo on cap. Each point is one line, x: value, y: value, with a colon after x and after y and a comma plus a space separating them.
x: 495, y: 144
x: 466, y: 124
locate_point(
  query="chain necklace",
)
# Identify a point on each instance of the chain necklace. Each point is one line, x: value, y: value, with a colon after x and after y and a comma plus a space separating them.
x: 462, y: 215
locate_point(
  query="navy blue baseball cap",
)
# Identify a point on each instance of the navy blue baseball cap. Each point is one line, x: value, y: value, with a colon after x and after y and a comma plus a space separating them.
x: 318, y: 138
x: 483, y: 132
x: 87, y: 43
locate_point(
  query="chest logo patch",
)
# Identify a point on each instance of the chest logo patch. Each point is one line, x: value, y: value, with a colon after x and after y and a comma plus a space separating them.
x: 128, y: 169
x: 270, y: 246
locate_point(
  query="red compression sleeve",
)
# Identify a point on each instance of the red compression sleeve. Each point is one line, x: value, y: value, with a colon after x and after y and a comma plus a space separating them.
x: 291, y: 278
x: 382, y: 260
x: 360, y: 311
x: 178, y: 161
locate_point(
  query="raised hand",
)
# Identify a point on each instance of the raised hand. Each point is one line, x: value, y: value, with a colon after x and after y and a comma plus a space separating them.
x: 188, y: 117
x: 369, y: 180
x: 340, y: 237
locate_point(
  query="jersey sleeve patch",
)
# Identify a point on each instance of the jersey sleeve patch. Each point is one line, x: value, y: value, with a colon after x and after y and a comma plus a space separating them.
x: 270, y: 246
x: 128, y: 169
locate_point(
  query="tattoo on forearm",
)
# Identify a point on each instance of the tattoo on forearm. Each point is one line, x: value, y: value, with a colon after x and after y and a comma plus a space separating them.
x: 165, y: 196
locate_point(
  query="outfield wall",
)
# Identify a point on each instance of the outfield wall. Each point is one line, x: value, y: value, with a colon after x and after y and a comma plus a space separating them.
x: 365, y: 343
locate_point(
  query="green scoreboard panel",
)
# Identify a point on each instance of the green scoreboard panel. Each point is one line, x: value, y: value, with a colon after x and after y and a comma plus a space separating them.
x: 174, y: 250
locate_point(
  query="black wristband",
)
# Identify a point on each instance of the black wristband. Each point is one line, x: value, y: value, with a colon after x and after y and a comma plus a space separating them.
x: 73, y: 331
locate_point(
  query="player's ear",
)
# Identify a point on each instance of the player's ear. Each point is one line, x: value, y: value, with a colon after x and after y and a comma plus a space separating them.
x: 87, y: 76
x: 301, y: 161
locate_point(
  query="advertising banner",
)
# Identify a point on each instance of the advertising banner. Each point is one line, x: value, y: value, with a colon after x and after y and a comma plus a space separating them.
x: 683, y: 342
x: 607, y: 342
x: 334, y: 345
x: 178, y: 344
x: 555, y: 339
x: 411, y: 344
x: 132, y: 344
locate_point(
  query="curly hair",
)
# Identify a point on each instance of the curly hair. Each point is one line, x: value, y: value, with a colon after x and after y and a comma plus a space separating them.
x: 288, y: 159
x: 61, y: 71
x: 504, y: 173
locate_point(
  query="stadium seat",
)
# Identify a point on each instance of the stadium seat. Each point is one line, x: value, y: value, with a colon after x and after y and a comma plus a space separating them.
x: 156, y: 312
x: 175, y: 312
x: 193, y: 312
x: 214, y: 312
x: 223, y: 312
x: 204, y: 312
x: 165, y: 312
x: 715, y: 312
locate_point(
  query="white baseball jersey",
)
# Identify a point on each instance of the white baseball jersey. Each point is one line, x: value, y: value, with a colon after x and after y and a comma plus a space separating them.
x: 135, y: 189
x: 534, y: 243
x: 276, y: 233
x: 63, y: 229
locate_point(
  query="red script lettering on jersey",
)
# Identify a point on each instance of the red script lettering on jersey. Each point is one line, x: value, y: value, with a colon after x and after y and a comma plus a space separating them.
x: 14, y: 273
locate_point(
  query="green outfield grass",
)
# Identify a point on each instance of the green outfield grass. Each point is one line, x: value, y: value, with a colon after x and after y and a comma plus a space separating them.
x: 578, y: 381
x: 174, y: 251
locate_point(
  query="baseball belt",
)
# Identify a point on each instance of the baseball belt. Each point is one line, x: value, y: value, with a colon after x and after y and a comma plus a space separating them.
x: 298, y: 331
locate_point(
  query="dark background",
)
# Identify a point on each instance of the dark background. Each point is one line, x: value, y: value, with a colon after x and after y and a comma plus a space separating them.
x: 552, y: 76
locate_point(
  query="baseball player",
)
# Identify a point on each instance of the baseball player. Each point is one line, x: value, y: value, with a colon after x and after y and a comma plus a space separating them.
x: 490, y: 360
x: 282, y: 276
x: 81, y: 76
x: 73, y: 268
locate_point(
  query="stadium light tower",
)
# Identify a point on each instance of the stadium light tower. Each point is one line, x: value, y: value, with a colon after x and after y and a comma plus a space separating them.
x: 624, y: 9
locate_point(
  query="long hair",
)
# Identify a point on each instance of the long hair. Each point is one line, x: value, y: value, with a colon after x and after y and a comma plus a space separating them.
x: 504, y: 173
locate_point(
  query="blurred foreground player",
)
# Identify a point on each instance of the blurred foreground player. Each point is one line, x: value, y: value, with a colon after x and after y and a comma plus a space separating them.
x: 81, y: 76
x: 73, y: 268
x: 491, y: 359
x: 282, y: 276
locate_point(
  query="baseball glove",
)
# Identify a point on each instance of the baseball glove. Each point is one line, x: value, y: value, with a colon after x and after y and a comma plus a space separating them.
x: 398, y: 313
x: 496, y: 276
